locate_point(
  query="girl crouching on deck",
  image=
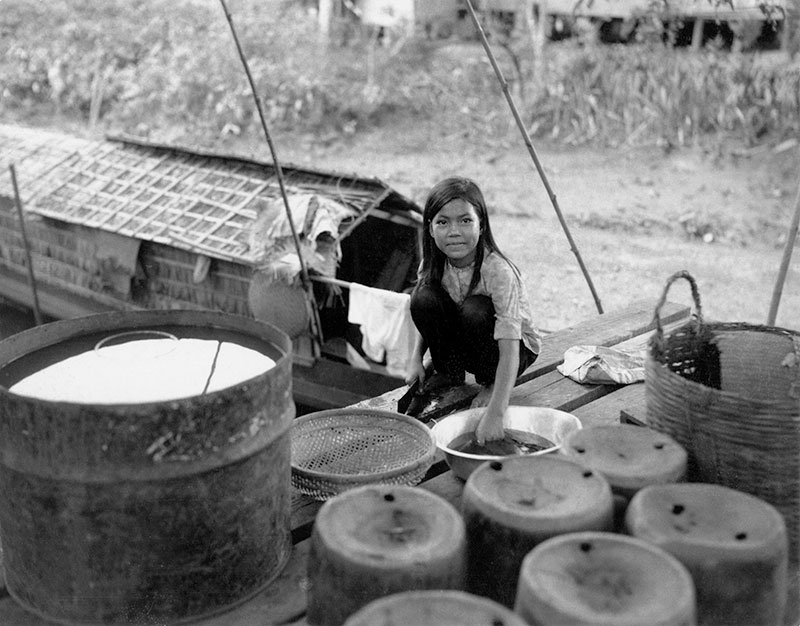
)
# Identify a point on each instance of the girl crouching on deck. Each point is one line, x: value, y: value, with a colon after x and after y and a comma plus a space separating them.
x: 470, y: 306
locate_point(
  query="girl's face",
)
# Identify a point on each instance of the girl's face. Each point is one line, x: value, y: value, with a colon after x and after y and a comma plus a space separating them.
x: 456, y: 230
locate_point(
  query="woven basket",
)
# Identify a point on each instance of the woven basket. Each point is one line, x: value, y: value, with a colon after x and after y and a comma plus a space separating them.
x: 339, y: 449
x: 730, y: 394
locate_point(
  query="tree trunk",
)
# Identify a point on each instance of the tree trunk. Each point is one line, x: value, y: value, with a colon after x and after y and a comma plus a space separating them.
x: 538, y: 28
x: 324, y: 18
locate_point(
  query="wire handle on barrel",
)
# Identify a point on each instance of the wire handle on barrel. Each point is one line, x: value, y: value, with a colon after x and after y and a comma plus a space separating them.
x: 658, y: 338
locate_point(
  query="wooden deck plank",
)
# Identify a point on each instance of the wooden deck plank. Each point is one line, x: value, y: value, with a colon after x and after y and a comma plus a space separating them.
x: 558, y: 392
x: 448, y: 486
x: 608, y: 409
x: 604, y: 330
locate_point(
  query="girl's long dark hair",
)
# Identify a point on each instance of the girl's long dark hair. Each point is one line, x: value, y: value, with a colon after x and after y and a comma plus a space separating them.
x: 433, y: 259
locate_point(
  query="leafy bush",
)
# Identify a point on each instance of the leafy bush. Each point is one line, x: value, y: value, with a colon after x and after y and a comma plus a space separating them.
x: 617, y: 94
x: 170, y: 67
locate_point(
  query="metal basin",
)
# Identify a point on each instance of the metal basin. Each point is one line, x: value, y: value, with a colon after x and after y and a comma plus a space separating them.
x: 551, y: 424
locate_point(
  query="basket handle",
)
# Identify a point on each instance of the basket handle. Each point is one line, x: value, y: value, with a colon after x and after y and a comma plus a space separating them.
x: 697, y: 317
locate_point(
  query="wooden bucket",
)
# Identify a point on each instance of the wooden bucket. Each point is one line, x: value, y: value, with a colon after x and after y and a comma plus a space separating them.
x: 733, y: 544
x: 434, y: 607
x: 629, y: 457
x: 512, y: 505
x: 159, y: 511
x: 376, y: 540
x: 604, y: 579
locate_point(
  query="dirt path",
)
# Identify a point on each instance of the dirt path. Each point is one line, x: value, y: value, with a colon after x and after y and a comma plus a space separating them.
x: 636, y: 216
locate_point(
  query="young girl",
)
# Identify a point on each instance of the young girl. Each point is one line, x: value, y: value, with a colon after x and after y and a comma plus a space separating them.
x: 469, y: 305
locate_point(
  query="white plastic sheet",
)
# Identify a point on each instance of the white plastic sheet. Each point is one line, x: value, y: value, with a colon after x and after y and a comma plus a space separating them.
x: 601, y: 365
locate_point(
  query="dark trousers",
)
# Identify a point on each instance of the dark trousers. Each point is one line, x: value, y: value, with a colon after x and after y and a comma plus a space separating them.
x: 461, y: 338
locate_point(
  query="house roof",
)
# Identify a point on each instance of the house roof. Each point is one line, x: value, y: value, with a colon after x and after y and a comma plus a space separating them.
x: 199, y: 201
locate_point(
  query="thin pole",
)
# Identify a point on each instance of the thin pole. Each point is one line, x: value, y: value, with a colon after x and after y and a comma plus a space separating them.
x: 787, y: 255
x: 532, y: 150
x: 37, y: 314
x: 311, y: 302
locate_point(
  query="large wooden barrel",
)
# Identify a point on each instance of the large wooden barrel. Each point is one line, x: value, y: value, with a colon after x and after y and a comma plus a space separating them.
x: 157, y: 511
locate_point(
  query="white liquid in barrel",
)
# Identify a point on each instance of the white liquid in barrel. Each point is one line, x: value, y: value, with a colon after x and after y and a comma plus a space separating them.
x: 145, y: 366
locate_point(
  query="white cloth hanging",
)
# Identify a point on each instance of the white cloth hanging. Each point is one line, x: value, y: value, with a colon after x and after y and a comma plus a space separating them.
x: 386, y: 325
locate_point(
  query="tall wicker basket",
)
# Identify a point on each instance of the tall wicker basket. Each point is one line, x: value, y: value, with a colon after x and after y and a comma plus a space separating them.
x: 730, y: 394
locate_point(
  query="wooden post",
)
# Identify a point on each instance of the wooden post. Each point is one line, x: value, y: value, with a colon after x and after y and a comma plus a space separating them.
x: 313, y: 311
x: 31, y: 279
x: 787, y: 255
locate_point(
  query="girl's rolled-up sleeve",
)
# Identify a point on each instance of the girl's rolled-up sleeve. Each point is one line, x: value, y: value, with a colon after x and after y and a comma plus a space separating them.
x: 504, y: 287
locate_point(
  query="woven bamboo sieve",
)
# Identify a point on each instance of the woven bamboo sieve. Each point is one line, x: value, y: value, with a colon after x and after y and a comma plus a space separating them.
x: 339, y: 449
x: 730, y: 394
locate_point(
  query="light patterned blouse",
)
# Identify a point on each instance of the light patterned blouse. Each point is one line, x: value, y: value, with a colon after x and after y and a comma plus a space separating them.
x: 501, y: 283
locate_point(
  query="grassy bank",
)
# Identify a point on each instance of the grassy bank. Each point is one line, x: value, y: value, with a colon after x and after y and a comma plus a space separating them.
x: 168, y: 69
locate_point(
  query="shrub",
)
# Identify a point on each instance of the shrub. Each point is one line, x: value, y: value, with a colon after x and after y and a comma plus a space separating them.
x: 616, y: 94
x: 170, y: 67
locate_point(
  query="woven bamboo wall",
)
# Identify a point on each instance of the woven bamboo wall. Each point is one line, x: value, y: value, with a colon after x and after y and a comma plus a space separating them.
x: 170, y: 284
x: 62, y: 254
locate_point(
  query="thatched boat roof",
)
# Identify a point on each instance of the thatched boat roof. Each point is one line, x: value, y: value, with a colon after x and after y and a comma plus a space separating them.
x: 197, y: 201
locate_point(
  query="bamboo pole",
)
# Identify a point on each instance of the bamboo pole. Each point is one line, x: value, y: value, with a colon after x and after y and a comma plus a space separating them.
x: 37, y: 314
x: 531, y: 150
x: 787, y: 255
x: 307, y: 286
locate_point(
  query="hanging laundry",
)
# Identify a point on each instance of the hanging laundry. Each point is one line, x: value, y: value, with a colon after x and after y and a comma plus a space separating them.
x: 386, y: 325
x: 316, y: 221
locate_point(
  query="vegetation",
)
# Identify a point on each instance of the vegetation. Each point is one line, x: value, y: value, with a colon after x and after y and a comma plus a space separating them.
x: 169, y: 69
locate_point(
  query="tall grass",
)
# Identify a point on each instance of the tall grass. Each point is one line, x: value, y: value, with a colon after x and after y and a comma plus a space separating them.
x: 617, y: 94
x: 168, y: 67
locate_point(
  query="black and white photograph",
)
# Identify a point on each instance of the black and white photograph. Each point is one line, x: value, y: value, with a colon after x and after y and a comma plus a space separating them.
x: 399, y: 313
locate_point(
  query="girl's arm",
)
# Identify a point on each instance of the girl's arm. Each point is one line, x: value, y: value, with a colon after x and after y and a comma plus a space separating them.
x: 415, y: 370
x: 491, y: 424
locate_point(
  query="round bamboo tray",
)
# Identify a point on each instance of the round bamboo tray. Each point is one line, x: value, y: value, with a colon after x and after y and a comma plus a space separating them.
x: 339, y: 449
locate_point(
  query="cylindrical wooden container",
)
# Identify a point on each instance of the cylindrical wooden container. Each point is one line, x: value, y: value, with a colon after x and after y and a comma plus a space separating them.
x: 161, y: 510
x: 438, y: 607
x: 734, y: 544
x: 604, y: 579
x: 510, y: 506
x: 376, y: 540
x: 629, y: 457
